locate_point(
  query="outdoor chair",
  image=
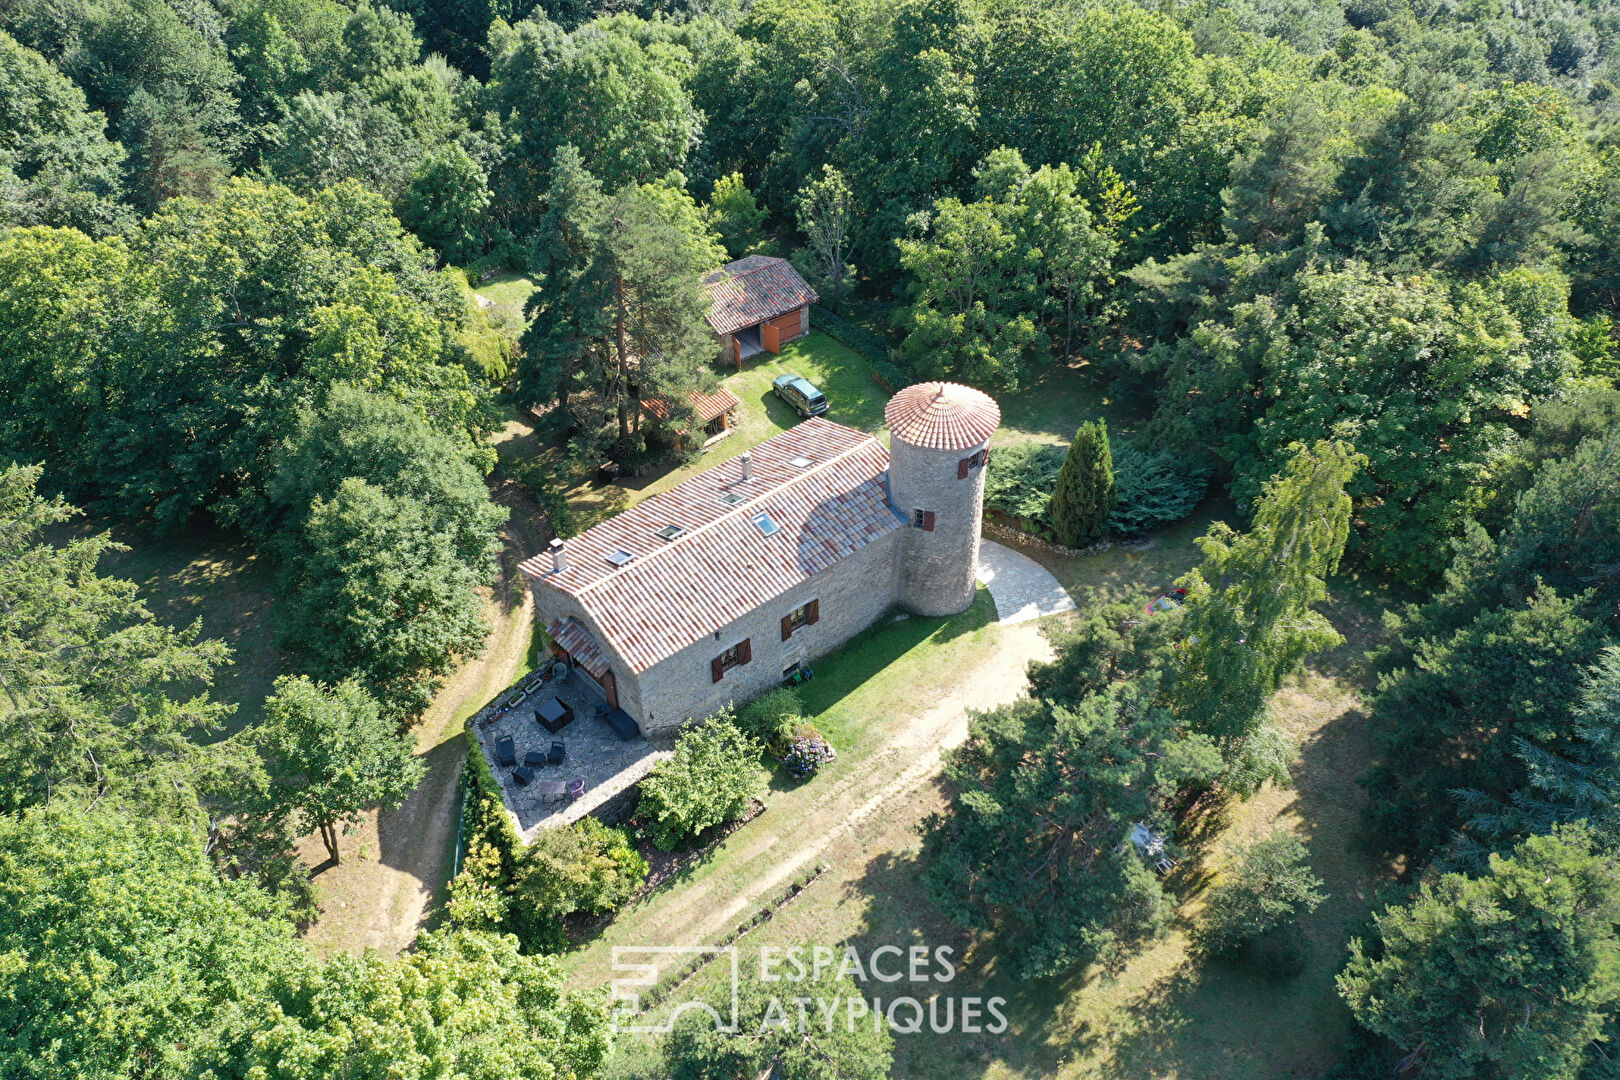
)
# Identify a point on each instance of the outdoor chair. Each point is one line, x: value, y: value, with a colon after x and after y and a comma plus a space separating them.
x: 522, y: 774
x: 576, y: 787
x: 536, y: 758
x: 555, y: 755
x: 506, y: 752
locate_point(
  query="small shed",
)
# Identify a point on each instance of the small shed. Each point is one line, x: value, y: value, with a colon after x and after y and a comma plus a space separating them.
x: 756, y: 305
x: 714, y: 413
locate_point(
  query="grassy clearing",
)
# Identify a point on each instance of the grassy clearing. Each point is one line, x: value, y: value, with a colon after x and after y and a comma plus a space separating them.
x: 1056, y: 402
x: 509, y: 290
x: 207, y: 573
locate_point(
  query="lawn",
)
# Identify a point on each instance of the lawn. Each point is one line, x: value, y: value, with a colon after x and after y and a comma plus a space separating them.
x: 1057, y: 400
x: 509, y: 289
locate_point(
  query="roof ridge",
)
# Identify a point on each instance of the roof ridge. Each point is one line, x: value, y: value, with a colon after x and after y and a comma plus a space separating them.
x: 739, y: 509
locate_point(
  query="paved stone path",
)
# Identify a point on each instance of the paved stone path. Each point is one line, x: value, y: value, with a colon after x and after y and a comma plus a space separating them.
x: 1022, y: 588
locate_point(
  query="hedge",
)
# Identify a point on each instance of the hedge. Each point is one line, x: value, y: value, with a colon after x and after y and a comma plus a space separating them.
x: 885, y: 372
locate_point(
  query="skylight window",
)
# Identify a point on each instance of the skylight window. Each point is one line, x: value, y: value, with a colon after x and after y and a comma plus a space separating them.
x: 731, y: 498
x: 800, y: 462
x: 767, y: 524
x: 670, y: 532
x: 620, y: 557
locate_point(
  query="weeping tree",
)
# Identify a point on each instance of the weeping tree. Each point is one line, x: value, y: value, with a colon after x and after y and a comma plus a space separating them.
x: 1249, y: 621
x: 1085, y: 494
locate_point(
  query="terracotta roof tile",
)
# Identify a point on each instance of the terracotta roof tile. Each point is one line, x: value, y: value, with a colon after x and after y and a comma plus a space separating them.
x: 706, y: 406
x: 942, y: 416
x: 722, y: 565
x: 751, y: 290
x: 571, y: 634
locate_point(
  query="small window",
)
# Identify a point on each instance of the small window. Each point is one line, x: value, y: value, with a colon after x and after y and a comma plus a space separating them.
x: 968, y: 465
x: 766, y: 524
x: 620, y: 557
x: 922, y: 519
x: 805, y: 615
x: 670, y: 532
x: 731, y: 498
x: 736, y: 656
x: 800, y: 462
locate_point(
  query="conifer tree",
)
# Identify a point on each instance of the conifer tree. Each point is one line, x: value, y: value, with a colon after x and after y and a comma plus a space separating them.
x: 1085, y: 494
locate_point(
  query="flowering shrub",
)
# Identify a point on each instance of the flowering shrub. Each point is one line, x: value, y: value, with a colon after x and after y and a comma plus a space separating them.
x: 807, y: 752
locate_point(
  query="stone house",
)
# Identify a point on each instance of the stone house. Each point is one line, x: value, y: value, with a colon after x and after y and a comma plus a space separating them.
x: 756, y: 305
x: 717, y: 589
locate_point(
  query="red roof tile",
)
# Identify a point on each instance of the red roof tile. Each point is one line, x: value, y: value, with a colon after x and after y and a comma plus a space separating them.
x: 706, y: 406
x: 722, y: 565
x: 942, y: 416
x: 751, y: 290
x: 576, y: 641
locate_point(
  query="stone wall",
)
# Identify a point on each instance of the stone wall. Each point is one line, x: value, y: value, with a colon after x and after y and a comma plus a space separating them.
x: 937, y: 569
x: 995, y: 530
x: 852, y: 594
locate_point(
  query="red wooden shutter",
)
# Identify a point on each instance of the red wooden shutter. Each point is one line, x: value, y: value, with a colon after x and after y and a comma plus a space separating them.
x: 928, y: 521
x: 717, y: 669
x: 963, y: 467
x: 787, y: 627
x: 745, y: 651
x: 814, y: 614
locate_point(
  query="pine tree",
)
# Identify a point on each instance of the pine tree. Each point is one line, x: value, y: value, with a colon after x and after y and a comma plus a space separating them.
x: 1085, y: 494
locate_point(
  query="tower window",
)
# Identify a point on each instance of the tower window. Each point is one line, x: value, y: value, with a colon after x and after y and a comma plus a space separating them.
x: 922, y: 519
x: 967, y: 465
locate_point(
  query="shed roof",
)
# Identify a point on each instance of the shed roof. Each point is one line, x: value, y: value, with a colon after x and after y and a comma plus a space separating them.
x: 749, y: 291
x: 824, y: 487
x: 706, y: 406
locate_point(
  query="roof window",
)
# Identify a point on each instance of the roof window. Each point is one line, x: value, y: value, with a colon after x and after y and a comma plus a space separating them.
x: 731, y: 498
x: 670, y: 532
x: 620, y: 557
x: 800, y: 462
x: 767, y: 524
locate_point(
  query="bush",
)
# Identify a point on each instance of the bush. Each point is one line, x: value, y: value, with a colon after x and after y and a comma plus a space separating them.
x: 1019, y: 483
x: 1251, y: 913
x: 540, y: 484
x: 807, y: 752
x: 772, y: 716
x: 711, y: 779
x: 586, y: 866
x: 1154, y: 487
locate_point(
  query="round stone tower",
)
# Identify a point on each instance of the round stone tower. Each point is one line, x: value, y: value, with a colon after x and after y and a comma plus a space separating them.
x: 939, y: 444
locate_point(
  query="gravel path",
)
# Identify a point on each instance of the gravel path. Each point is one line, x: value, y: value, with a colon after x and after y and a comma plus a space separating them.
x: 1022, y: 588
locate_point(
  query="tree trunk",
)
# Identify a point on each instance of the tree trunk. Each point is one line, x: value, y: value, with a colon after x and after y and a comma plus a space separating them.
x: 329, y: 834
x: 621, y: 317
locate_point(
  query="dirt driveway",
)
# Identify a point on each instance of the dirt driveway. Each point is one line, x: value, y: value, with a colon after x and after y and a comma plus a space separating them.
x: 397, y: 864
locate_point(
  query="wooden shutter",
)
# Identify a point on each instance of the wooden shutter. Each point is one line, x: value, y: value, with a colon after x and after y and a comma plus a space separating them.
x: 717, y: 668
x: 814, y: 614
x: 745, y: 651
x: 928, y: 521
x: 963, y: 467
x: 787, y: 627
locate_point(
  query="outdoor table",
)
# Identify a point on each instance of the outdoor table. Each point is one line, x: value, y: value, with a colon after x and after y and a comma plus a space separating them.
x: 535, y: 757
x: 553, y: 715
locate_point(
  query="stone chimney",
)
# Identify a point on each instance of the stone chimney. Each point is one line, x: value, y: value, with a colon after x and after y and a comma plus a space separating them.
x: 747, y: 465
x: 559, y: 560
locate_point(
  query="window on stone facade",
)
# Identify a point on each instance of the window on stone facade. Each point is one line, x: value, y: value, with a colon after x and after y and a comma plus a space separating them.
x: 805, y: 615
x: 967, y: 465
x: 922, y: 519
x: 736, y: 656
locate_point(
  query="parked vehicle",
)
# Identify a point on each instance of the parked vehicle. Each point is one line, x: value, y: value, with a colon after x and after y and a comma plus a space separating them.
x: 1168, y: 601
x: 800, y: 394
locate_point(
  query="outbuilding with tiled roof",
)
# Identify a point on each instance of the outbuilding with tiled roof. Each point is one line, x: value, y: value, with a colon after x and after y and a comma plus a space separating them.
x: 757, y: 304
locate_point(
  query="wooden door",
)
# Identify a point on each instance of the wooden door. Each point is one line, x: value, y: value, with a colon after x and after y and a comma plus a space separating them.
x: 770, y: 336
